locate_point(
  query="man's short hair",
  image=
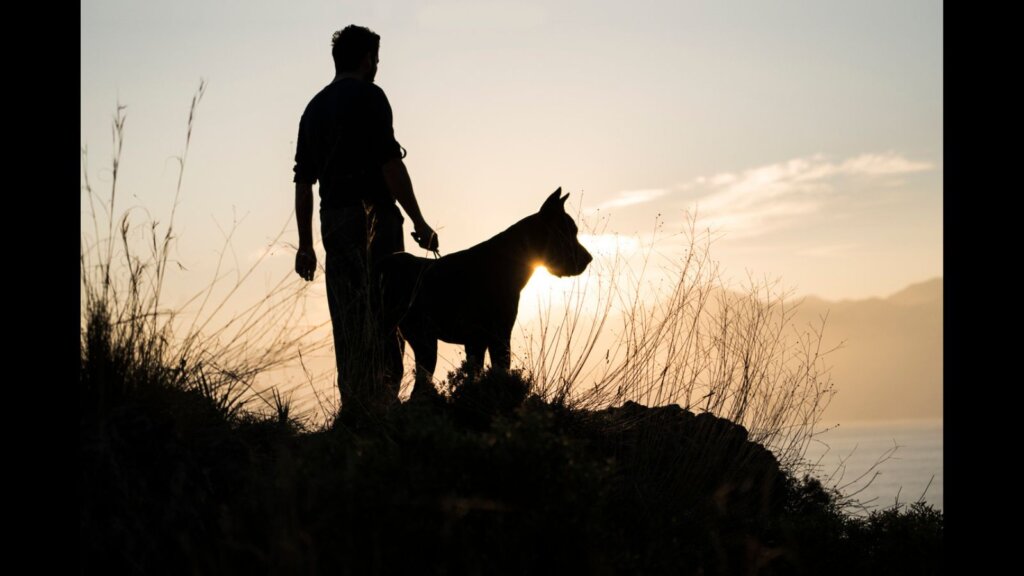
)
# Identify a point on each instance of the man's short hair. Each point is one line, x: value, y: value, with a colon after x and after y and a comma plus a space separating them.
x: 350, y: 46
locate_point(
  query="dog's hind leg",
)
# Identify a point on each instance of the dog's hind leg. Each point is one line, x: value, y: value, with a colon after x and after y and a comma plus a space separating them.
x: 425, y: 351
x: 394, y: 350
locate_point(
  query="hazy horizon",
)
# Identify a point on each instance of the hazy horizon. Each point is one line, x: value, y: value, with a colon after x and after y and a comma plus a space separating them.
x: 890, y: 366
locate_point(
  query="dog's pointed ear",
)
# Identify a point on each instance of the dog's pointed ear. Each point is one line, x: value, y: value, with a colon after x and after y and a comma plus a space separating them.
x: 564, y: 198
x: 552, y: 203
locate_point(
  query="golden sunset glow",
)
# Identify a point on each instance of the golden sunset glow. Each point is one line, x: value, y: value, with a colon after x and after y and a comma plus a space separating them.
x: 539, y: 289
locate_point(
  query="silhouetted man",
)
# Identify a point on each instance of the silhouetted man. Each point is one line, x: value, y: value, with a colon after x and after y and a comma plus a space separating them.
x: 347, y: 143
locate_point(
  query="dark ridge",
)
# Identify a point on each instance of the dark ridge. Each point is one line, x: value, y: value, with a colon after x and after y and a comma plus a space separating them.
x: 489, y: 479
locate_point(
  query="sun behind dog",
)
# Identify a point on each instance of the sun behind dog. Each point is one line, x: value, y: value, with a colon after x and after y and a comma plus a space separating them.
x: 471, y: 297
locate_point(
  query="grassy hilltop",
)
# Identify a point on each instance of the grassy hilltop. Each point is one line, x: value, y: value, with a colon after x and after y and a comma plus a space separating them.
x: 492, y: 481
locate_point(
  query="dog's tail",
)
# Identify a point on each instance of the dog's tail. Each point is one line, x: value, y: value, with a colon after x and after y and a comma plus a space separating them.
x: 399, y: 276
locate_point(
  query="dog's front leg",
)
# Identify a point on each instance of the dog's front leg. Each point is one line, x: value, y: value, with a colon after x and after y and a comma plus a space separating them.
x: 501, y: 353
x: 475, y: 357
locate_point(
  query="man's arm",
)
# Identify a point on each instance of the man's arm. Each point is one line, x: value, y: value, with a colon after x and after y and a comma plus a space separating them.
x: 305, y: 258
x: 397, y: 177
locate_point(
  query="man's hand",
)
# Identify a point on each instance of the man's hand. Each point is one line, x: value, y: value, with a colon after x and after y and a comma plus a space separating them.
x: 397, y: 178
x: 305, y: 263
x: 305, y: 258
x: 426, y: 237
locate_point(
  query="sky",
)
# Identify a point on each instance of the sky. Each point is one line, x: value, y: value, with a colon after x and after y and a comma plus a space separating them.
x: 806, y: 134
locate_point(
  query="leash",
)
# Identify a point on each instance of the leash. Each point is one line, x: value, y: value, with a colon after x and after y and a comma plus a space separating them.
x: 418, y: 239
x: 419, y: 279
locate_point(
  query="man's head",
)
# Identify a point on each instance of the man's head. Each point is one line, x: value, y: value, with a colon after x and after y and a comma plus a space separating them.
x: 355, y: 50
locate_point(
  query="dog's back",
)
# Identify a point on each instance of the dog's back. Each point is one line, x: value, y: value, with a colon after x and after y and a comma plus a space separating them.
x: 460, y: 298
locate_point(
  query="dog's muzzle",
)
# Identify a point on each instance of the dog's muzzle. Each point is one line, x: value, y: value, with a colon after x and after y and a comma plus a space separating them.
x: 583, y: 259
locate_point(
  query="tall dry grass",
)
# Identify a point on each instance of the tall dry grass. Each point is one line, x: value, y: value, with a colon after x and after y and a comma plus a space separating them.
x: 669, y: 329
x: 131, y: 338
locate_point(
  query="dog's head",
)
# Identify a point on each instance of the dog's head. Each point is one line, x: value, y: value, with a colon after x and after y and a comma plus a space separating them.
x: 555, y: 244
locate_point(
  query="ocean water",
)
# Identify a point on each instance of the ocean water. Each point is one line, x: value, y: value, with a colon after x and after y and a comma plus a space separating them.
x: 901, y: 459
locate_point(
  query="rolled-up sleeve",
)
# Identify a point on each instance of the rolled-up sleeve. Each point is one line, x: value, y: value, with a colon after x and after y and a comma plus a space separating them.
x: 384, y: 147
x: 305, y: 165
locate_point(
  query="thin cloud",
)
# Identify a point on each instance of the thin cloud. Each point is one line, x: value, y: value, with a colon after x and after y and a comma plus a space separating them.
x: 883, y: 165
x: 828, y: 251
x: 631, y: 198
x: 603, y: 245
x: 774, y: 196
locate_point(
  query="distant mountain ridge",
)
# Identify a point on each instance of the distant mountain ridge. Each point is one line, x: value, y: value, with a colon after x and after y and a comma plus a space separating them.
x: 890, y: 365
x: 923, y: 293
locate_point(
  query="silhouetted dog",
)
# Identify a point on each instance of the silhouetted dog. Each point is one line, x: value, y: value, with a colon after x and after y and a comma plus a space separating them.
x: 472, y: 297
